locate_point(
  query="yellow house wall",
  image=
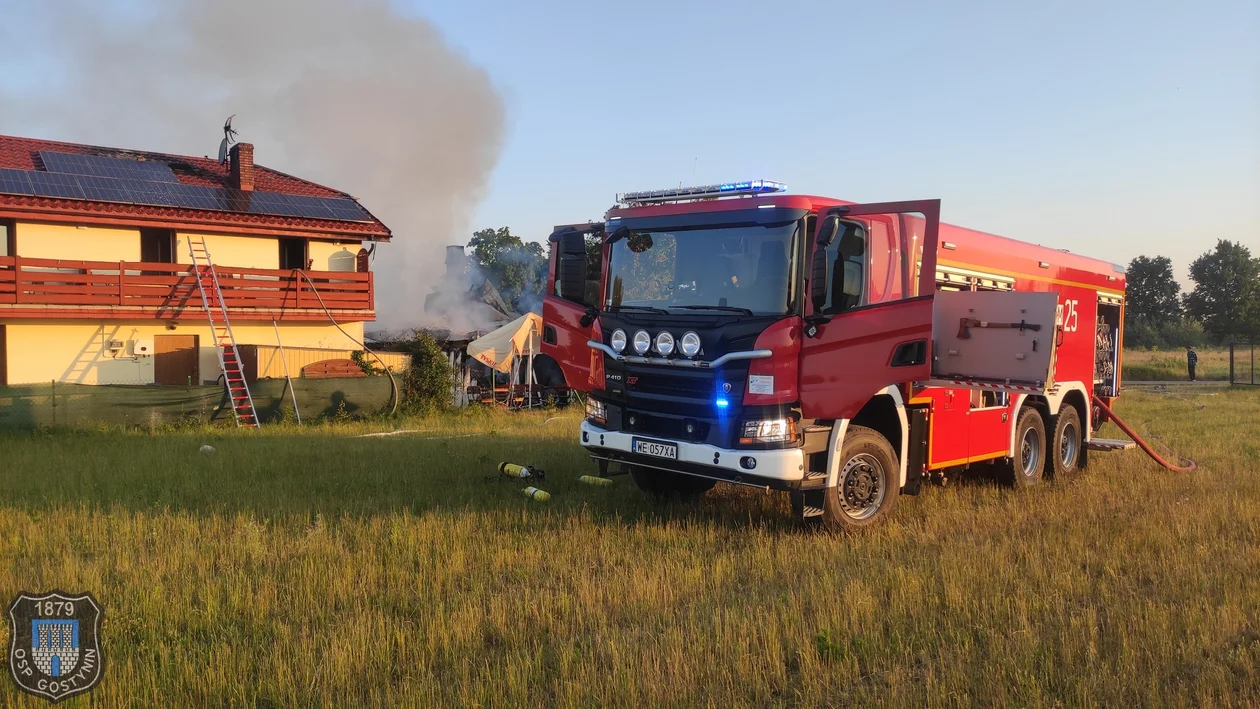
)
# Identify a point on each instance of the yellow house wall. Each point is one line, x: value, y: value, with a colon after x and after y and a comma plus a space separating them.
x: 60, y: 241
x: 42, y: 351
x: 239, y: 251
x: 333, y: 256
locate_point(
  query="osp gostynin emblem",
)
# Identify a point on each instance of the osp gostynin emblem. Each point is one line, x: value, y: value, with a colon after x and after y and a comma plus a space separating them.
x: 54, y: 643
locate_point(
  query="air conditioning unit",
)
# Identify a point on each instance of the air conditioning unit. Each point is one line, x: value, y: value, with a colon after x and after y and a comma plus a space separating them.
x: 142, y: 348
x: 115, y: 345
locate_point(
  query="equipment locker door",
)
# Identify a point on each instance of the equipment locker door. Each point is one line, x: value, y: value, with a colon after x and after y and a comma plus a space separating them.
x: 947, y: 427
x: 859, y: 339
x: 568, y: 319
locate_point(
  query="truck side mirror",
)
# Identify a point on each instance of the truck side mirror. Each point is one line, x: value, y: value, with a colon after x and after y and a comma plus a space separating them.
x: 571, y: 269
x: 818, y: 279
x: 818, y: 267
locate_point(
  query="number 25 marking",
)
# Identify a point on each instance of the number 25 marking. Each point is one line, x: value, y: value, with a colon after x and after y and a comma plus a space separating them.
x: 1072, y: 320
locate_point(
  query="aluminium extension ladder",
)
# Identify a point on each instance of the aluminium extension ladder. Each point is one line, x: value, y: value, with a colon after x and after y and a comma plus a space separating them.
x: 221, y: 329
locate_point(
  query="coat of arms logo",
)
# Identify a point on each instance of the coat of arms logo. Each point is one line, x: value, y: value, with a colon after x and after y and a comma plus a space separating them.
x: 54, y: 643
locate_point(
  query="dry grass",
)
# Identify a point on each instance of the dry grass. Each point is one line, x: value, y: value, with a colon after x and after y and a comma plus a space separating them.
x: 1170, y: 365
x: 309, y: 568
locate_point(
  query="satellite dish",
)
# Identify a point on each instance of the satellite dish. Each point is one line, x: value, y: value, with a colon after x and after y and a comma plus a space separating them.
x: 229, y: 136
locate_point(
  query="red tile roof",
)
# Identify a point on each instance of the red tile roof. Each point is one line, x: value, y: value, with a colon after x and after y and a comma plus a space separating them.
x: 23, y: 154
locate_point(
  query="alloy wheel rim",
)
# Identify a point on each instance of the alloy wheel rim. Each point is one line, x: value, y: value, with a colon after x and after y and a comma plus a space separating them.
x: 861, y: 486
x: 1030, y: 452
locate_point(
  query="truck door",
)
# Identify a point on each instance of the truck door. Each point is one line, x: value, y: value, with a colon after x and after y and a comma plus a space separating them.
x: 568, y: 317
x: 869, y: 318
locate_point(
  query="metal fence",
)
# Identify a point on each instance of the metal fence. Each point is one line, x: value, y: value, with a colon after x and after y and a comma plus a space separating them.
x: 1242, y: 364
x: 56, y: 404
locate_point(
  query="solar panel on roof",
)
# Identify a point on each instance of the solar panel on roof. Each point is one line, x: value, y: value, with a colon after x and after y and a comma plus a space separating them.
x: 100, y: 166
x: 51, y: 184
x: 133, y: 190
x: 103, y: 189
x: 14, y: 182
x: 346, y: 210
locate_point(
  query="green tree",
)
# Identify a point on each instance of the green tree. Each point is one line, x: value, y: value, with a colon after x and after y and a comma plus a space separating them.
x: 1226, y: 291
x: 1151, y: 291
x: 517, y: 268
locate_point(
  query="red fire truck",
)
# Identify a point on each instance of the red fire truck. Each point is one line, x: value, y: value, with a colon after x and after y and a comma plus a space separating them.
x: 840, y: 352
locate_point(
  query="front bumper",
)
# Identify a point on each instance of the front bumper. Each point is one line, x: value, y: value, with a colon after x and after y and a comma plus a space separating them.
x: 778, y: 469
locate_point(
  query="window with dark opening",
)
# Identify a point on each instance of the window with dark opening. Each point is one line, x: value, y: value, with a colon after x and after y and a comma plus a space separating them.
x: 157, y: 245
x: 292, y: 254
x: 8, y: 239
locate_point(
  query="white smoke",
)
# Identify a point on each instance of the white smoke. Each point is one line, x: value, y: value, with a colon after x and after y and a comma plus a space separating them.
x: 348, y: 93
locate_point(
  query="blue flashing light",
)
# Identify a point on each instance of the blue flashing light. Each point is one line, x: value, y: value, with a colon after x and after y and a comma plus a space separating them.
x: 722, y: 402
x: 680, y: 194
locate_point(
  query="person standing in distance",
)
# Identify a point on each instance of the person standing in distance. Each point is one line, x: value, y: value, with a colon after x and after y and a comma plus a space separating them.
x: 1192, y: 359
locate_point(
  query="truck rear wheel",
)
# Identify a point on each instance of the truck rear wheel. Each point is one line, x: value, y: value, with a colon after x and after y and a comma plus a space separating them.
x: 1025, y: 469
x: 661, y: 483
x: 868, y: 483
x: 1066, y: 447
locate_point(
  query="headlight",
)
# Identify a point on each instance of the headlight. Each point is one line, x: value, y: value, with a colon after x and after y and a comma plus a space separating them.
x: 618, y: 340
x: 642, y: 341
x: 768, y: 431
x: 665, y: 343
x: 596, y: 410
x: 689, y: 345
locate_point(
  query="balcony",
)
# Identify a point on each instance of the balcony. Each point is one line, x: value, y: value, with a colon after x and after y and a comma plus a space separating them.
x: 57, y: 288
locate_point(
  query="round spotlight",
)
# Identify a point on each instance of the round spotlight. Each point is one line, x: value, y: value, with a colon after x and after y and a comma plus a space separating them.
x: 642, y: 341
x: 689, y: 345
x: 665, y: 343
x: 618, y: 340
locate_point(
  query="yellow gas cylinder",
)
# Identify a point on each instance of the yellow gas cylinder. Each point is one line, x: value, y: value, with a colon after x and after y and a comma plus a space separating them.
x: 593, y: 480
x: 512, y: 470
x: 535, y: 494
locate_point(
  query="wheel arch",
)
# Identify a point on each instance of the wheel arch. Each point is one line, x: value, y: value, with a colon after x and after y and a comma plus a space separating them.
x: 884, y: 413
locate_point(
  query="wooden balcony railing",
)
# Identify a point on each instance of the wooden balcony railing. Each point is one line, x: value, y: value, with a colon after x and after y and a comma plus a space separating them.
x: 167, y: 289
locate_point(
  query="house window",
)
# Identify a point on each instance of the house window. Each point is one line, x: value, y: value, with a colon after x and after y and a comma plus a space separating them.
x: 157, y: 246
x: 8, y: 239
x: 293, y: 254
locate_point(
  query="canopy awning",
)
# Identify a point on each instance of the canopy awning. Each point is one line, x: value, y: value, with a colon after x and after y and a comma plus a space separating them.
x: 496, y: 349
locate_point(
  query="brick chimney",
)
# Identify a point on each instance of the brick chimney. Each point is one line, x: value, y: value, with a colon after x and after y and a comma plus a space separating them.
x: 242, y: 175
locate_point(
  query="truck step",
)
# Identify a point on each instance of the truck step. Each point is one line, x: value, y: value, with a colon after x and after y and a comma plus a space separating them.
x: 814, y: 480
x: 1110, y: 444
x: 812, y: 512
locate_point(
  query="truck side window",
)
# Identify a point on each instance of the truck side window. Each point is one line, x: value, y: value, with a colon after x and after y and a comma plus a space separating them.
x: 847, y: 254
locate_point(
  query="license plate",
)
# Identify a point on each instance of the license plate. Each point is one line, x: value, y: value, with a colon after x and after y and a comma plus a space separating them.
x: 658, y: 449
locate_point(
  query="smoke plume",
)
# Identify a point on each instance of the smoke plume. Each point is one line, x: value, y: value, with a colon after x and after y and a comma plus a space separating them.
x: 350, y: 94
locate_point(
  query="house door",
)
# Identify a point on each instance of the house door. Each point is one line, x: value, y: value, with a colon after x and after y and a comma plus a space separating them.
x: 175, y: 359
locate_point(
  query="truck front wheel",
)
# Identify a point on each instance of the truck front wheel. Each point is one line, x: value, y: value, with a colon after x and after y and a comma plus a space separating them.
x: 661, y: 484
x: 868, y: 483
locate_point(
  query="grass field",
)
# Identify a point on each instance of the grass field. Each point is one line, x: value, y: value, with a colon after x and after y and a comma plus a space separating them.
x: 312, y: 568
x: 1170, y: 365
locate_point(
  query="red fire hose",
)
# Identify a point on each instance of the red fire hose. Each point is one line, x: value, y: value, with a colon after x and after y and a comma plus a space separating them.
x: 1141, y: 443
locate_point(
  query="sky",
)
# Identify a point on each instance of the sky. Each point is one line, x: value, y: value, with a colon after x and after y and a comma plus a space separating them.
x: 1111, y: 129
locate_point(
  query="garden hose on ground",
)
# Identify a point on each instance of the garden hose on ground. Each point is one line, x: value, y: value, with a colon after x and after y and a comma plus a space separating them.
x: 1143, y: 444
x: 393, y: 384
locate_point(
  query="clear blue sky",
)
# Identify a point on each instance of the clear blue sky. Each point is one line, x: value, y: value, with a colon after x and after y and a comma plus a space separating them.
x: 1108, y: 128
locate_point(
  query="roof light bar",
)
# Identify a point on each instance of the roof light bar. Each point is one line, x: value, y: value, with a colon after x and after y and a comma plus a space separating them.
x: 682, y: 194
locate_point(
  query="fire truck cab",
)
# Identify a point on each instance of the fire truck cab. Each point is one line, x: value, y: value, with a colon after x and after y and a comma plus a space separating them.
x: 840, y: 352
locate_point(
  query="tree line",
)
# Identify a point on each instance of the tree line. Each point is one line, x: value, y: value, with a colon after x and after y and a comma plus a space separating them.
x: 1223, y: 306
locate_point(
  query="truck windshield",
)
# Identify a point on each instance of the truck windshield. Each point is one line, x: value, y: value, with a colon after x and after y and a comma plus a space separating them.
x: 747, y: 269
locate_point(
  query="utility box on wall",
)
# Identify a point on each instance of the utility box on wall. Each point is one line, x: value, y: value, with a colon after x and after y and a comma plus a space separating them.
x: 142, y: 347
